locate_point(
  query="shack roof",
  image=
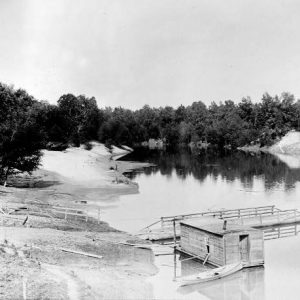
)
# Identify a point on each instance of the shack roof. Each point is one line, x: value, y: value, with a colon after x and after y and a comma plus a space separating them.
x: 215, y: 226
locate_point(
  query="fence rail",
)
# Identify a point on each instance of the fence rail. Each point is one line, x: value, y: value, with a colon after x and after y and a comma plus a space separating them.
x: 50, y: 212
x: 223, y: 214
x: 280, y: 232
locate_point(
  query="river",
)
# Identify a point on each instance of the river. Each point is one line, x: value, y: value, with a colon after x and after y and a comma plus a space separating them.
x: 183, y: 182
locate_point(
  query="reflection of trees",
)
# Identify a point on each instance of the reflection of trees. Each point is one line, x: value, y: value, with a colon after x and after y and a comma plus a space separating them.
x: 229, y: 167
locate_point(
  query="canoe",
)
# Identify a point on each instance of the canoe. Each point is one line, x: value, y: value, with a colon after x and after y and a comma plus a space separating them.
x: 212, y: 274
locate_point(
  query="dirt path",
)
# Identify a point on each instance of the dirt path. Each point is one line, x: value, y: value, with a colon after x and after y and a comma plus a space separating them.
x: 72, y: 286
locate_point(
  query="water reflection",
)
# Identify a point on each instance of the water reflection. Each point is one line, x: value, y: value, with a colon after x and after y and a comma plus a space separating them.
x: 245, y: 284
x: 242, y: 166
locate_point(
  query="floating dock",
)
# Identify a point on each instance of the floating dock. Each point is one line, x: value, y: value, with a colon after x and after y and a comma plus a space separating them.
x: 271, y: 220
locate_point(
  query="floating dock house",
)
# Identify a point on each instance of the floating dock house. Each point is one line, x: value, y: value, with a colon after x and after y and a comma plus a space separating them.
x: 220, y: 243
x: 266, y: 218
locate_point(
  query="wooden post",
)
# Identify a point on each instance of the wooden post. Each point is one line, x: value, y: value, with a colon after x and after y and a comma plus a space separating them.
x: 161, y: 222
x: 174, y: 229
x: 65, y: 214
x: 239, y: 212
x: 175, y: 266
x: 224, y: 224
x: 272, y: 210
x: 278, y: 232
x: 296, y: 229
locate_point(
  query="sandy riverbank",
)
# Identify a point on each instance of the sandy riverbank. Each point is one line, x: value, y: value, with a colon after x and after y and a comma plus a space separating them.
x: 287, y: 145
x: 31, y: 255
x: 287, y: 149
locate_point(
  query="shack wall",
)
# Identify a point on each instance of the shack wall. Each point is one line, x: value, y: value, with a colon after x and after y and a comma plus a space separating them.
x: 255, y: 245
x: 256, y: 250
x: 194, y: 241
x: 232, y: 249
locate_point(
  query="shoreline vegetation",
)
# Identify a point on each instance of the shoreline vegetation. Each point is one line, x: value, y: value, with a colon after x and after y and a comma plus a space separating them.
x: 35, y: 230
x: 28, y: 125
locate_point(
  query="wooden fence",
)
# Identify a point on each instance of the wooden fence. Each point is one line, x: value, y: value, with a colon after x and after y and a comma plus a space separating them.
x: 48, y: 212
x: 280, y: 232
x: 222, y: 214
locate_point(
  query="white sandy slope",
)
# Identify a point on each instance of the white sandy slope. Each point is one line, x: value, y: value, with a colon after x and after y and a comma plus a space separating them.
x: 289, y: 144
x: 80, y: 166
x: 288, y: 149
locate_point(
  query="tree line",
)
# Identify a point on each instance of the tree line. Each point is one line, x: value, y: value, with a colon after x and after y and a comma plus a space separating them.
x: 28, y: 125
x: 223, y: 124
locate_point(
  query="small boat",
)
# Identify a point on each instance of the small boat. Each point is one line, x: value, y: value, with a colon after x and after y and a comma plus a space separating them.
x: 212, y: 274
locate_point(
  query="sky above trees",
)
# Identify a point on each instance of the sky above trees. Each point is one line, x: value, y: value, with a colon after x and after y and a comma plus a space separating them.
x: 134, y: 52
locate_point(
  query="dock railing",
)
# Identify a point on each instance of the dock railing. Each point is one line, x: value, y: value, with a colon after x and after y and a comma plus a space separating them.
x: 167, y: 221
x: 280, y: 232
x: 266, y: 218
x: 278, y: 217
x: 223, y: 214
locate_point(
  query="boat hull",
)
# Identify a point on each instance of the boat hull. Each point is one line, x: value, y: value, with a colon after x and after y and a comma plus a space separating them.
x: 210, y: 275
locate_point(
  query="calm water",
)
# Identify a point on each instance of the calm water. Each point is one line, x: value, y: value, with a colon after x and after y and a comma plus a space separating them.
x: 187, y: 183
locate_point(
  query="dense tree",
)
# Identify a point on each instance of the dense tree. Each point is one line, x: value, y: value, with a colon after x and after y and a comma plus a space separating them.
x: 197, y: 116
x: 21, y: 138
x: 224, y: 124
x: 81, y: 117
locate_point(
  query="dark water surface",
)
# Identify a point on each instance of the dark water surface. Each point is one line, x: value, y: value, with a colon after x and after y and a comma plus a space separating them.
x: 185, y: 183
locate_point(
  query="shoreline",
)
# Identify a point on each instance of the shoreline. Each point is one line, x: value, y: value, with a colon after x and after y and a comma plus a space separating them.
x: 287, y: 145
x: 33, y: 233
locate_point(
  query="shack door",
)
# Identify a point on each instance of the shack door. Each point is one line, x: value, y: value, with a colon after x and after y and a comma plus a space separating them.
x: 244, y: 247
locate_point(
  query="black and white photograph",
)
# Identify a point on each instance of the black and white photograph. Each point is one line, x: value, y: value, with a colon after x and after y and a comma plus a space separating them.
x: 149, y: 149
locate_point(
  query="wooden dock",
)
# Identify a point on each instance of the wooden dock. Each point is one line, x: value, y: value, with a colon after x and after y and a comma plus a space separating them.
x: 265, y: 218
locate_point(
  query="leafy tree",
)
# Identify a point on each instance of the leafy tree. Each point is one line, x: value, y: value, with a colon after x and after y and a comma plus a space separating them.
x: 20, y: 136
x: 82, y: 117
x: 197, y: 116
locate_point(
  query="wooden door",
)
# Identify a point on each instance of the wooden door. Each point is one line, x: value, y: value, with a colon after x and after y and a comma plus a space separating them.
x: 244, y: 247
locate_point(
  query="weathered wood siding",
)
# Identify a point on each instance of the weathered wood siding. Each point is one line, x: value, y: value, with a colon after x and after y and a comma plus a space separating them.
x: 232, y: 247
x: 255, y: 247
x: 256, y: 250
x: 231, y: 243
x: 194, y: 241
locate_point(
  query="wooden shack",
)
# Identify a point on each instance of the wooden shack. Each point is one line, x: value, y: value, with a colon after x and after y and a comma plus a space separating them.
x: 218, y: 243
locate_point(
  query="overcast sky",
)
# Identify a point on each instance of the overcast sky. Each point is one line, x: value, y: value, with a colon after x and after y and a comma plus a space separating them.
x: 157, y: 52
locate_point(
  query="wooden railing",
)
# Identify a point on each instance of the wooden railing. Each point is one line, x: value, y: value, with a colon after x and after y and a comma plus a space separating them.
x: 73, y: 212
x: 222, y: 214
x: 273, y: 221
x: 279, y: 217
x: 50, y: 212
x: 280, y: 232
